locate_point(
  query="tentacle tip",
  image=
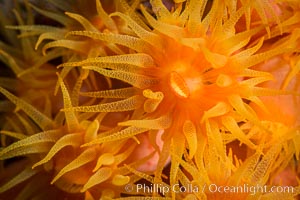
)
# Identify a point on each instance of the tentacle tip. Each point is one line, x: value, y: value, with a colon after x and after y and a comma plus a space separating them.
x: 44, y: 51
x: 60, y: 66
x: 58, y: 76
x: 19, y: 75
x: 52, y: 182
x: 114, y: 14
x: 83, y: 94
x: 9, y: 27
x: 86, y: 145
x: 35, y: 165
x: 95, y: 169
x: 64, y: 110
x: 36, y: 45
x: 69, y: 34
x: 136, y: 140
x: 84, y: 189
x: 122, y: 124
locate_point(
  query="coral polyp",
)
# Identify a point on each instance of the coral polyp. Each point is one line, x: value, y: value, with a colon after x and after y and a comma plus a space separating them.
x: 177, y: 94
x: 200, y: 67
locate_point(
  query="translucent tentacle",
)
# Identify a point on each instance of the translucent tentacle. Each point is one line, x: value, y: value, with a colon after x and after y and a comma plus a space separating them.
x: 100, y: 176
x: 104, y: 17
x: 162, y: 122
x: 22, y: 176
x: 70, y: 115
x: 18, y: 136
x: 91, y: 131
x: 104, y: 159
x: 149, y: 37
x: 130, y: 11
x: 42, y: 120
x: 84, y: 158
x: 79, y: 46
x: 190, y: 133
x: 124, y: 155
x: 263, y: 167
x: 35, y: 28
x: 49, y: 36
x: 137, y: 80
x: 125, y: 133
x: 232, y: 126
x: 170, y: 30
x: 177, y: 148
x: 83, y: 21
x: 219, y: 109
x: 43, y: 60
x: 137, y: 59
x: 125, y: 40
x: 131, y: 103
x: 25, y: 151
x: 67, y: 140
x: 10, y: 61
x: 151, y: 105
x: 250, y: 51
x: 57, y: 17
x: 117, y: 93
x: 160, y: 9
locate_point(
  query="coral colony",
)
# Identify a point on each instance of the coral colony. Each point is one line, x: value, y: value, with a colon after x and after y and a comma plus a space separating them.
x: 150, y: 99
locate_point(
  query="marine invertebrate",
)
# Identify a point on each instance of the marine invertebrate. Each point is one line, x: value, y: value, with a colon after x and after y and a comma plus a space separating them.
x: 189, y: 67
x: 72, y: 167
x: 281, y: 117
x: 217, y: 168
x: 17, y: 56
x: 62, y: 137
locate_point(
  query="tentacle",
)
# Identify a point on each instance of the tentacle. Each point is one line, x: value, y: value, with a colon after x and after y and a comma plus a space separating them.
x: 162, y: 122
x: 43, y: 137
x: 137, y: 80
x: 84, y: 158
x: 190, y: 133
x: 234, y: 129
x: 70, y: 115
x: 104, y: 159
x: 125, y: 133
x: 100, y: 176
x: 131, y: 103
x: 170, y: 30
x: 108, y: 22
x: 57, y: 17
x: 24, y: 175
x: 149, y: 37
x: 137, y: 59
x: 125, y: 40
x: 116, y: 93
x: 67, y: 140
x: 83, y: 21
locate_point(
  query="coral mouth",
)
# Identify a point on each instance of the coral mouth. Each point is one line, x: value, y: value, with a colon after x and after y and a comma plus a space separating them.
x: 178, y: 85
x: 184, y: 87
